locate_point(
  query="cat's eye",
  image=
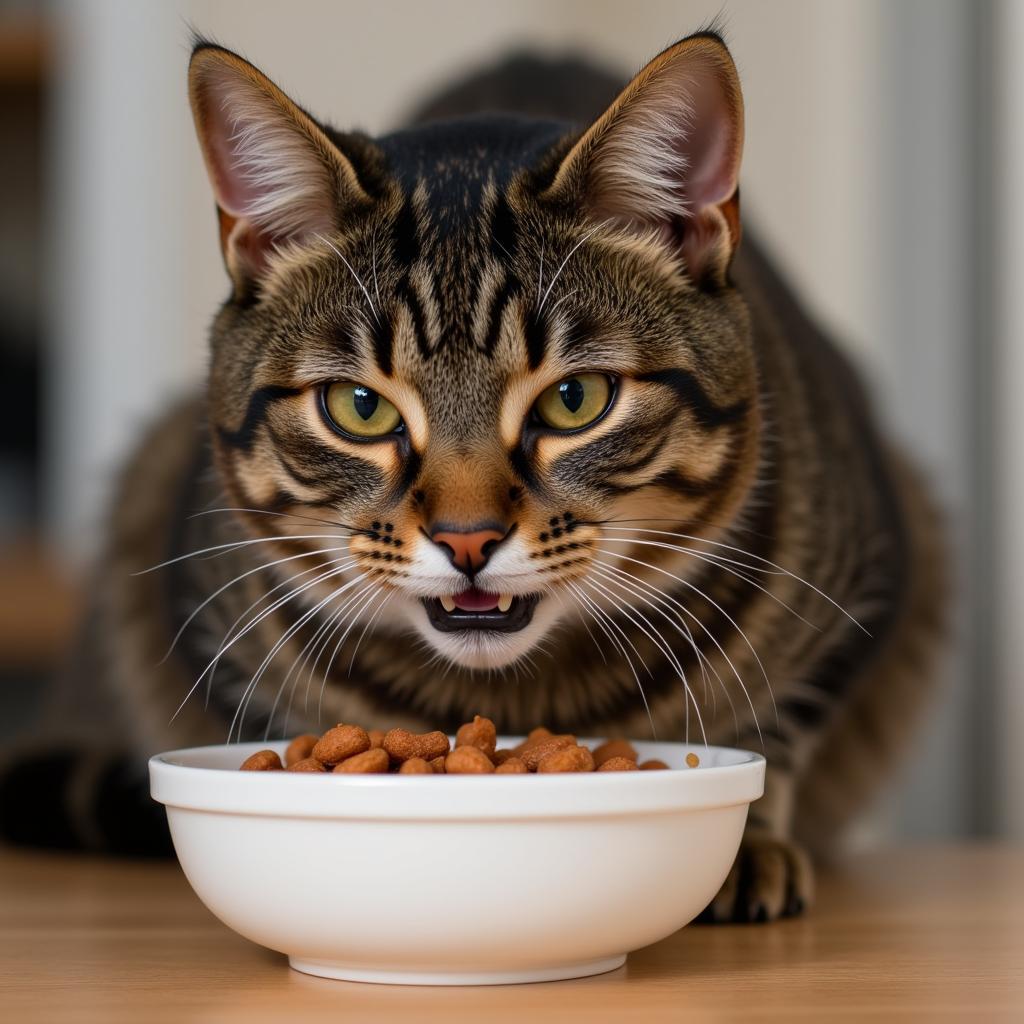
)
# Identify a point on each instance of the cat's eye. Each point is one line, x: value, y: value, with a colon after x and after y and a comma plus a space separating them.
x: 574, y: 402
x: 359, y: 411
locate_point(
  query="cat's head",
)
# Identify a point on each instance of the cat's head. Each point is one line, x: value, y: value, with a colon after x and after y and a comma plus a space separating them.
x: 493, y: 350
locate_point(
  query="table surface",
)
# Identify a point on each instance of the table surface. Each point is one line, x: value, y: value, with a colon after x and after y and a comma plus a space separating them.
x: 913, y: 933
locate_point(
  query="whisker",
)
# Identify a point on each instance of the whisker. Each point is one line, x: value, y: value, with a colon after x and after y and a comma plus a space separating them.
x: 558, y: 272
x: 243, y: 704
x: 633, y: 584
x: 716, y: 560
x: 369, y: 622
x: 362, y: 286
x: 299, y: 662
x: 226, y: 645
x: 238, y: 579
x: 601, y: 617
x: 241, y: 544
x: 654, y: 635
x: 370, y: 593
x: 757, y: 558
x: 708, y: 633
x: 284, y: 515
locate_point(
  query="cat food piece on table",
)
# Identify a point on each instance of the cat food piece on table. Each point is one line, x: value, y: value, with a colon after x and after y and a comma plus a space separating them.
x: 402, y: 744
x: 512, y: 766
x: 652, y: 765
x: 499, y: 757
x: 341, y: 742
x: 376, y: 738
x: 414, y: 766
x: 374, y: 761
x: 437, y: 764
x: 307, y: 764
x: 615, y: 748
x: 468, y: 761
x: 262, y: 761
x: 300, y: 748
x: 692, y: 760
x: 617, y: 764
x: 567, y: 759
x: 479, y: 733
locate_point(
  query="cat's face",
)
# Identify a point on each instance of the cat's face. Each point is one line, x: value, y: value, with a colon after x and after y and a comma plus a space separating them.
x: 479, y: 351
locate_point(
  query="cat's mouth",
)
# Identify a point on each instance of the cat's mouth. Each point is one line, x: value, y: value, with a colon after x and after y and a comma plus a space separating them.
x: 480, y: 609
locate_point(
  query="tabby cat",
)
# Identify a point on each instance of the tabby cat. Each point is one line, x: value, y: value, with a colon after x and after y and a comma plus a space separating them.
x: 501, y: 418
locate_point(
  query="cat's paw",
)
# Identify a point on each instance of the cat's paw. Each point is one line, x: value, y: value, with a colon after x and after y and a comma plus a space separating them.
x: 770, y: 878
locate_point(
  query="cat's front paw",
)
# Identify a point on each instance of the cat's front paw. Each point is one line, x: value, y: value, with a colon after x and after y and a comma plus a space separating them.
x: 770, y: 878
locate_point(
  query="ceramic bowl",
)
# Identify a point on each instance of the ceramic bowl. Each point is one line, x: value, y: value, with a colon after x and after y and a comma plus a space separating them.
x: 456, y: 880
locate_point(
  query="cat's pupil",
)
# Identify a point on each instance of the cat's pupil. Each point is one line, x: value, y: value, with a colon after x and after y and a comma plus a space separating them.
x: 365, y: 401
x: 571, y: 392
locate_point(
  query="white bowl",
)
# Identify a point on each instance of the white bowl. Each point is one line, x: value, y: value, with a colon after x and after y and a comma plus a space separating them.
x: 456, y: 880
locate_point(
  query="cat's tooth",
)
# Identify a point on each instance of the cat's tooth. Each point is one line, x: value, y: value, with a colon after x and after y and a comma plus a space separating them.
x: 504, y: 602
x: 447, y: 603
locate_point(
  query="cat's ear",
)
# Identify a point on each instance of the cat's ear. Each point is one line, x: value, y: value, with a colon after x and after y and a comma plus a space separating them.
x: 276, y: 175
x: 665, y: 156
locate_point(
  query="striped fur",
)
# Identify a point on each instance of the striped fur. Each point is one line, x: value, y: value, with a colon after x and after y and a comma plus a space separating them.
x: 731, y: 551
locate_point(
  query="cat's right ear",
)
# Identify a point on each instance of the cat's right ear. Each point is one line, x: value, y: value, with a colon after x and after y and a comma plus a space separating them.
x: 276, y: 175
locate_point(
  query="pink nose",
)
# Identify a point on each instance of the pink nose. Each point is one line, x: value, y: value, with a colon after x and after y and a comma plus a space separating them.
x: 469, y: 551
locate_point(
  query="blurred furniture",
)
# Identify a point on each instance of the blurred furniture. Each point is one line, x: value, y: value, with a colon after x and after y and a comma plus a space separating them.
x: 915, y: 933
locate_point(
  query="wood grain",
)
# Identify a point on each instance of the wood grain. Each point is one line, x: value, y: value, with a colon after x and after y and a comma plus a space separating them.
x: 908, y: 934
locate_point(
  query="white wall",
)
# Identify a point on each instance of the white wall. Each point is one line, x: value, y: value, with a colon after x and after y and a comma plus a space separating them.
x: 1008, y: 600
x: 834, y: 91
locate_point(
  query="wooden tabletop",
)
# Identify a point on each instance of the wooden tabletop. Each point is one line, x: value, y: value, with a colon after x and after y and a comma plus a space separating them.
x: 926, y: 933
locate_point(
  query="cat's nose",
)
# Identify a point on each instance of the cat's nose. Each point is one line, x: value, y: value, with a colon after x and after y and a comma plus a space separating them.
x: 468, y: 549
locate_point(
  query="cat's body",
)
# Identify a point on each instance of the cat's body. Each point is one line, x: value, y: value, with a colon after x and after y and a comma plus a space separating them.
x: 731, y: 429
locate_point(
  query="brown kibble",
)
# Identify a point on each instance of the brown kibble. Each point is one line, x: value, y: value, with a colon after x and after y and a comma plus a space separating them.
x: 307, y: 764
x: 370, y: 762
x: 262, y: 761
x: 402, y: 744
x: 567, y: 759
x: 300, y: 748
x: 512, y: 766
x: 414, y: 766
x: 617, y: 764
x: 692, y: 760
x: 479, y: 733
x: 437, y: 764
x: 340, y: 743
x: 376, y: 738
x: 540, y: 733
x: 536, y: 750
x: 615, y: 748
x: 652, y: 765
x: 468, y: 761
x: 499, y: 757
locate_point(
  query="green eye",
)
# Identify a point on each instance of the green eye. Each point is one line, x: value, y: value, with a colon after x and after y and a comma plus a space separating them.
x: 358, y: 410
x: 574, y: 402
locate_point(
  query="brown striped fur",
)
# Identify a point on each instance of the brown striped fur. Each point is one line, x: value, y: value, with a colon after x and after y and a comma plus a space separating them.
x: 460, y: 269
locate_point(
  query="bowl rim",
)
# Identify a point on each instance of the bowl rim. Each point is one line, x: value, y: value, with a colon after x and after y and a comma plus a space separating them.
x: 178, y: 784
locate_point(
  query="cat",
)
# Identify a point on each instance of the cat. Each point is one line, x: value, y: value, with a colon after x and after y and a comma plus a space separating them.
x: 503, y: 418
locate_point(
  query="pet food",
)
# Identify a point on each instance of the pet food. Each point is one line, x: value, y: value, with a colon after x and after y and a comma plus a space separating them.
x: 348, y: 749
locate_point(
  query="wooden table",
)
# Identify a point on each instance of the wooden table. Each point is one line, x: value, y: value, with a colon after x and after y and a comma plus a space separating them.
x: 929, y: 933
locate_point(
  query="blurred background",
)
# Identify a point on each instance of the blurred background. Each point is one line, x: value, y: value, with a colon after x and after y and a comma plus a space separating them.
x: 884, y: 155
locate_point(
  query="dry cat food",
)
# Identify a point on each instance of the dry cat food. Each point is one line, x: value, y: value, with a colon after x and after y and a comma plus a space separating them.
x: 350, y: 749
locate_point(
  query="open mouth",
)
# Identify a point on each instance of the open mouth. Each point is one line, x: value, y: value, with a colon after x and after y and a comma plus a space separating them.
x: 478, y: 609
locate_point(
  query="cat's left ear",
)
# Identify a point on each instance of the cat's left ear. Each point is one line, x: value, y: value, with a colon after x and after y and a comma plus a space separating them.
x: 665, y: 156
x: 276, y: 175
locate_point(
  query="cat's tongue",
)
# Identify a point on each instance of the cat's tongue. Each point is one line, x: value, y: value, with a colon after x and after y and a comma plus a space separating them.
x: 474, y: 600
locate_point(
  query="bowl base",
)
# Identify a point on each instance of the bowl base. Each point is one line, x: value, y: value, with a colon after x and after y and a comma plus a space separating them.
x: 345, y: 972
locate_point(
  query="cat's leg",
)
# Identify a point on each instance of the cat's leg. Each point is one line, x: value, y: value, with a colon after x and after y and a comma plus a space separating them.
x: 772, y: 875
